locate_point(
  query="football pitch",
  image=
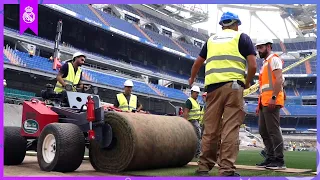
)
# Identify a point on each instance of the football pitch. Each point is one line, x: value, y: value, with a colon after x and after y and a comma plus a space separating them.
x: 293, y: 159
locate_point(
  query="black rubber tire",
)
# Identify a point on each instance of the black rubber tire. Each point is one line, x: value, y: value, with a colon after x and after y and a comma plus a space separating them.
x: 70, y: 147
x: 15, y: 146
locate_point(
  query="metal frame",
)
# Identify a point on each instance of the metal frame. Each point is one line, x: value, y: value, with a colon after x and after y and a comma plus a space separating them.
x: 78, y: 116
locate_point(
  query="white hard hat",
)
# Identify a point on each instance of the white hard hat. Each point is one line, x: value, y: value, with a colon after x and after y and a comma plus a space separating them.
x: 128, y: 83
x: 4, y: 82
x: 77, y: 54
x: 196, y: 89
x: 263, y: 41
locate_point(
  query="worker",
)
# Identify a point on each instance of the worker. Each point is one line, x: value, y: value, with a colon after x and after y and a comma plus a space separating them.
x: 127, y: 101
x: 192, y: 113
x: 70, y: 73
x: 271, y: 100
x: 226, y: 55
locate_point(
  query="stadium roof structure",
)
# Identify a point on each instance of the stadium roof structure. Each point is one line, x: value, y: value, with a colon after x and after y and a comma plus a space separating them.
x: 187, y: 13
x: 302, y: 17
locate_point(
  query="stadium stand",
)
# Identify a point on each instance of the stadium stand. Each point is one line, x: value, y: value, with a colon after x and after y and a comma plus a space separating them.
x: 172, y: 93
x: 82, y: 9
x: 121, y: 24
x: 15, y: 93
x: 298, y: 110
x: 5, y: 59
x: 43, y: 64
x: 162, y: 22
x: 298, y: 70
x: 293, y: 106
x: 161, y: 39
x: 294, y: 46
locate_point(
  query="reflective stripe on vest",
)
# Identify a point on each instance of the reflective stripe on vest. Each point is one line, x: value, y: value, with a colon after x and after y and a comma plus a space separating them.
x: 194, y: 113
x: 266, y: 81
x: 224, y: 61
x: 72, y: 78
x: 123, y: 103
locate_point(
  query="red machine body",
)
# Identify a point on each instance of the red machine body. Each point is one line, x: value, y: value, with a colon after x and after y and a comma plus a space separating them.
x: 90, y: 109
x: 90, y: 117
x: 35, y: 116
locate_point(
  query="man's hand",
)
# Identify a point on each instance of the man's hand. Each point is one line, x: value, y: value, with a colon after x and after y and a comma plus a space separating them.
x: 247, y: 86
x: 87, y: 87
x: 191, y: 81
x: 257, y: 110
x: 272, y: 104
x: 195, y: 69
x: 252, y: 67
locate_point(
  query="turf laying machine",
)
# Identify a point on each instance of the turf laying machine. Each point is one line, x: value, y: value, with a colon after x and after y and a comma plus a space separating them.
x: 61, y: 126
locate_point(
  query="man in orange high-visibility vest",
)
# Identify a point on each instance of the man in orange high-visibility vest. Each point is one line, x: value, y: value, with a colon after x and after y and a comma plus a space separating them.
x: 271, y: 100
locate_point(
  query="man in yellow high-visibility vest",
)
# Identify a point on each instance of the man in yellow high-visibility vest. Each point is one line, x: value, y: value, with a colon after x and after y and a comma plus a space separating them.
x: 127, y: 101
x: 70, y: 73
x: 227, y: 54
x: 192, y: 113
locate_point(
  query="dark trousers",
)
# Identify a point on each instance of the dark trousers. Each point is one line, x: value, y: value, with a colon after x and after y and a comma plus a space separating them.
x: 269, y: 129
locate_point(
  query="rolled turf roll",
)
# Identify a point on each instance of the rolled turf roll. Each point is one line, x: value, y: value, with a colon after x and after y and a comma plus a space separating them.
x: 144, y: 141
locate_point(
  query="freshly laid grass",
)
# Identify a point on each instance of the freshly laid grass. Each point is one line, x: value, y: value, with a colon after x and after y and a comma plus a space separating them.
x: 299, y: 160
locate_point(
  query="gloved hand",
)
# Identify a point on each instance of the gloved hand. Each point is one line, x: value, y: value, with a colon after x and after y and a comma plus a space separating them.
x: 68, y: 87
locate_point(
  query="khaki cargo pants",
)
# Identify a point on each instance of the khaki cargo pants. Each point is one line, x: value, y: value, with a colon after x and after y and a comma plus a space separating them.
x: 229, y: 103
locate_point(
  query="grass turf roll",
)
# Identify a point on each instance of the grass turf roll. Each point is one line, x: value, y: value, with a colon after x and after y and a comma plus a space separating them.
x: 144, y: 141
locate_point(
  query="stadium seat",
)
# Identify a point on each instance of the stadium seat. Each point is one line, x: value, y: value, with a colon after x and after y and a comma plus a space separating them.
x: 121, y: 24
x: 193, y: 50
x: 172, y: 93
x: 43, y: 64
x: 297, y: 110
x: 161, y: 39
x: 14, y: 93
x: 81, y: 9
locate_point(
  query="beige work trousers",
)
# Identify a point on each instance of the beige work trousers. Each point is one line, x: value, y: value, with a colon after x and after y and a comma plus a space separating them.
x: 229, y: 103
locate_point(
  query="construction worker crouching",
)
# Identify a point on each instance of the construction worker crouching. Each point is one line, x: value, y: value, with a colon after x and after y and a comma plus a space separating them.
x: 271, y: 100
x: 227, y: 54
x: 70, y: 73
x: 192, y: 113
x: 127, y: 101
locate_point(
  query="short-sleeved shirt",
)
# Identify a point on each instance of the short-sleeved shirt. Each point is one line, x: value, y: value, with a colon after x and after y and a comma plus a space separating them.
x: 116, y: 102
x: 276, y: 63
x: 246, y: 48
x: 65, y: 69
x: 188, y: 104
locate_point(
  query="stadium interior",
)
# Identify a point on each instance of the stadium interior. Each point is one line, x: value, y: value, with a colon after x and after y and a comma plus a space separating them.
x: 135, y: 42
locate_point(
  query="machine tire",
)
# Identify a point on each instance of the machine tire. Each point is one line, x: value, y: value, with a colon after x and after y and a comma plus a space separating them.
x: 69, y: 143
x: 15, y: 146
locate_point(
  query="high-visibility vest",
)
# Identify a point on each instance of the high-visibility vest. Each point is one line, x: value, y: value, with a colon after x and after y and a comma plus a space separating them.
x: 224, y: 62
x: 202, y: 114
x: 123, y: 103
x: 266, y: 82
x: 71, y: 79
x: 194, y: 113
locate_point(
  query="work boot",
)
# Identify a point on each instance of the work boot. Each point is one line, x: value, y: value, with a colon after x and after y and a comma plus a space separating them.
x: 276, y: 166
x: 264, y: 163
x: 202, y: 173
x: 234, y: 174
